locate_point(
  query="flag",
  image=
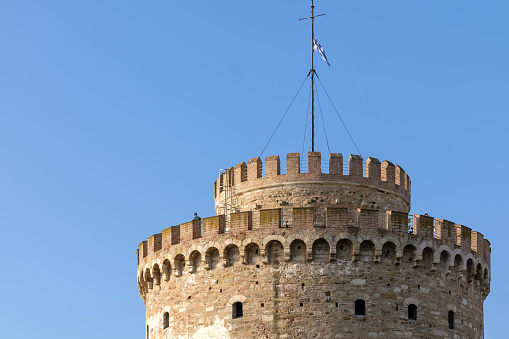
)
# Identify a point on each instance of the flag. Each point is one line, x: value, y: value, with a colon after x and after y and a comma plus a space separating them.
x: 317, y: 47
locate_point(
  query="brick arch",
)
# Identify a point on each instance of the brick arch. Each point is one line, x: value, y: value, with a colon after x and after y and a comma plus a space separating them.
x: 247, y: 254
x: 269, y: 238
x: 470, y: 256
x: 319, y: 252
x: 415, y: 243
x: 365, y: 253
x: 411, y: 300
x: 179, y: 264
x: 388, y: 238
x: 311, y: 239
x: 268, y: 257
x: 248, y: 241
x: 345, y: 235
x: 363, y: 237
x: 426, y: 243
x: 452, y: 307
x: 296, y: 236
x: 444, y: 248
x: 192, y: 248
x: 156, y: 273
x: 228, y: 253
x: 232, y: 300
x: 296, y: 254
x: 235, y: 298
x: 391, y: 252
x: 213, y: 244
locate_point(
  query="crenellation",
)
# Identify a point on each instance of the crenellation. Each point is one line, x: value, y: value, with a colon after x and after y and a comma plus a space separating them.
x: 477, y: 242
x: 487, y: 251
x: 175, y: 235
x: 262, y: 183
x: 142, y: 250
x: 292, y: 163
x: 197, y: 229
x: 464, y: 236
x: 254, y: 169
x: 241, y: 222
x: 446, y: 231
x: 166, y: 238
x: 272, y: 166
x: 186, y: 232
x: 388, y: 172
x: 314, y: 163
x: 157, y: 242
x: 366, y: 221
x: 424, y: 225
x: 212, y: 226
x: 373, y: 169
x: 397, y: 223
x: 336, y: 164
x: 299, y: 249
x: 240, y: 173
x: 355, y: 166
x: 399, y: 177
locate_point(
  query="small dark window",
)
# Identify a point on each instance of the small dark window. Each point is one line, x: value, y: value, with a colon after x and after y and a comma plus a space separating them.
x: 166, y: 320
x: 451, y: 320
x: 360, y: 307
x: 237, y: 310
x: 147, y: 331
x: 412, y: 312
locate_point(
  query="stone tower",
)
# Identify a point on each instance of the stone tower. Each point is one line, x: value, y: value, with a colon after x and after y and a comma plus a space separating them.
x: 314, y: 249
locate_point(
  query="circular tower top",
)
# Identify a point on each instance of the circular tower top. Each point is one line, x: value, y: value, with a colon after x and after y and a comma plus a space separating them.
x: 316, y: 182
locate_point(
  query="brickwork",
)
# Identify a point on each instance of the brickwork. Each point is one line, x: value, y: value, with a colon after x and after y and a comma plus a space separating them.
x: 314, y: 188
x: 304, y: 249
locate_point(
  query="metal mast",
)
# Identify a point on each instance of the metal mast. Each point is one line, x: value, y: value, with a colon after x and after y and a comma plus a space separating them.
x: 312, y: 78
x: 312, y: 72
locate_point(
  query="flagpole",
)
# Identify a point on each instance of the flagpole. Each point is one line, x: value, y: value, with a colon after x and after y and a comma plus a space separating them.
x: 312, y: 71
x: 312, y: 78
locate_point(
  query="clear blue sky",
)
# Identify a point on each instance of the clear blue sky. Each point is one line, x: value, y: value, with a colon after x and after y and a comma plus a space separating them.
x: 115, y: 117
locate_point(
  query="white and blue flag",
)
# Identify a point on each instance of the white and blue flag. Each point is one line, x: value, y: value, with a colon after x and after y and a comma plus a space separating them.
x: 317, y: 47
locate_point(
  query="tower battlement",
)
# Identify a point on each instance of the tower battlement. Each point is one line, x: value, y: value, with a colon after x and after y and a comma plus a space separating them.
x: 375, y: 184
x: 363, y: 221
x: 314, y: 241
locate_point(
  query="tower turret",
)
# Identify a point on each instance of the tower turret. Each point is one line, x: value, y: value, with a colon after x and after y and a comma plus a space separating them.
x: 314, y: 250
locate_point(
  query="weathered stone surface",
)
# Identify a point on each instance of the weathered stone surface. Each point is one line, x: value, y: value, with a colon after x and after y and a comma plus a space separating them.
x: 302, y: 249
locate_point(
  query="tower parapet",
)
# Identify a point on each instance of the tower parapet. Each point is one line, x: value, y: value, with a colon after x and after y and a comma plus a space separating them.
x: 338, y: 248
x: 375, y: 185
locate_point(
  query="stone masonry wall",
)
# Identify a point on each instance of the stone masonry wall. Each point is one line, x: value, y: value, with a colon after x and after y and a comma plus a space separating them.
x: 285, y: 296
x: 318, y: 254
x: 383, y: 187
